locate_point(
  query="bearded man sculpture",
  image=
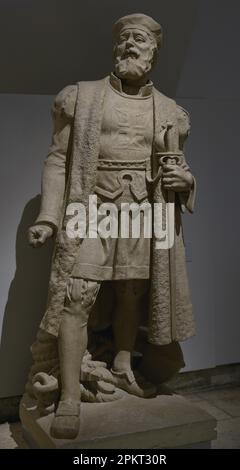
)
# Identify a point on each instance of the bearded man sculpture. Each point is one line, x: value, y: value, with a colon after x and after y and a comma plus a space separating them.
x: 121, y: 140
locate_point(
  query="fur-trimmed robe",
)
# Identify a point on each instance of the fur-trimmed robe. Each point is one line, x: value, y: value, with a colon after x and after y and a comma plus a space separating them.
x: 83, y: 104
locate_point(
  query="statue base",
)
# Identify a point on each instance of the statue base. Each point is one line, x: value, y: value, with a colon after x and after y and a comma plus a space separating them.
x: 163, y: 422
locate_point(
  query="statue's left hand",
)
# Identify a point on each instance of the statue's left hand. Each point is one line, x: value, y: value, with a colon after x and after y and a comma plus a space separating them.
x: 177, y: 178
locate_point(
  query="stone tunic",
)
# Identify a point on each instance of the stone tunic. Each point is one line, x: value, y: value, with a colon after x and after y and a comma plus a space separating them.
x: 125, y: 151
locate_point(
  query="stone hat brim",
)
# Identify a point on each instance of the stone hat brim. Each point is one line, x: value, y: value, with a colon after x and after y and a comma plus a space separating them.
x: 141, y: 22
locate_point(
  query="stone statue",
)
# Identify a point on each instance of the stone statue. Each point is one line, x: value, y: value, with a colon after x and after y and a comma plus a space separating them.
x: 120, y: 140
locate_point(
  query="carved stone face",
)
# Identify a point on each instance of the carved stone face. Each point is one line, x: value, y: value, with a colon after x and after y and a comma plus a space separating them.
x: 134, y: 54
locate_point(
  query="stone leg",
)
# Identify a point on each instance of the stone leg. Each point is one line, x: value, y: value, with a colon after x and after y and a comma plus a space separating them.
x: 81, y: 295
x: 125, y: 326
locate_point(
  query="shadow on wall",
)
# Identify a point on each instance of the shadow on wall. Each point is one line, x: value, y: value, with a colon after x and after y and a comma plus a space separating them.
x: 25, y: 306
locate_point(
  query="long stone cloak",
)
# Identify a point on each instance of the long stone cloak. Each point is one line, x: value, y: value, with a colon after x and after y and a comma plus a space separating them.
x: 82, y: 158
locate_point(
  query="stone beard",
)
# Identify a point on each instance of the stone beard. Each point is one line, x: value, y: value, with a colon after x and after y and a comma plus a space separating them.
x: 133, y: 64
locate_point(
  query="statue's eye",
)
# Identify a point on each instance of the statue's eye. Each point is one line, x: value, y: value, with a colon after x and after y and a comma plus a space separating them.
x: 139, y: 38
x: 122, y: 38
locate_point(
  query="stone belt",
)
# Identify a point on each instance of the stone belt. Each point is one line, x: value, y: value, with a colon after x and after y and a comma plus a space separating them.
x: 124, y: 164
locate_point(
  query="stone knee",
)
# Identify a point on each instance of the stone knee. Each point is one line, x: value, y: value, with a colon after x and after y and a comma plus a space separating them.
x: 80, y: 297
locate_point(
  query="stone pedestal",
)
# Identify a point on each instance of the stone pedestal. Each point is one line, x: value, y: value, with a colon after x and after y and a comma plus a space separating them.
x: 167, y: 421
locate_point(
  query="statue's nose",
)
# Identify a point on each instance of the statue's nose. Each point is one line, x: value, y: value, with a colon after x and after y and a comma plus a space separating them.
x: 130, y: 41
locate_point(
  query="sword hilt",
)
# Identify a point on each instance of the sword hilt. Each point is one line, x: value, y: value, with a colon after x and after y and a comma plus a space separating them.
x: 170, y: 158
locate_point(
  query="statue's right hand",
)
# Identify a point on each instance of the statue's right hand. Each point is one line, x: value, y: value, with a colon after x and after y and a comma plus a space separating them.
x: 38, y: 234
